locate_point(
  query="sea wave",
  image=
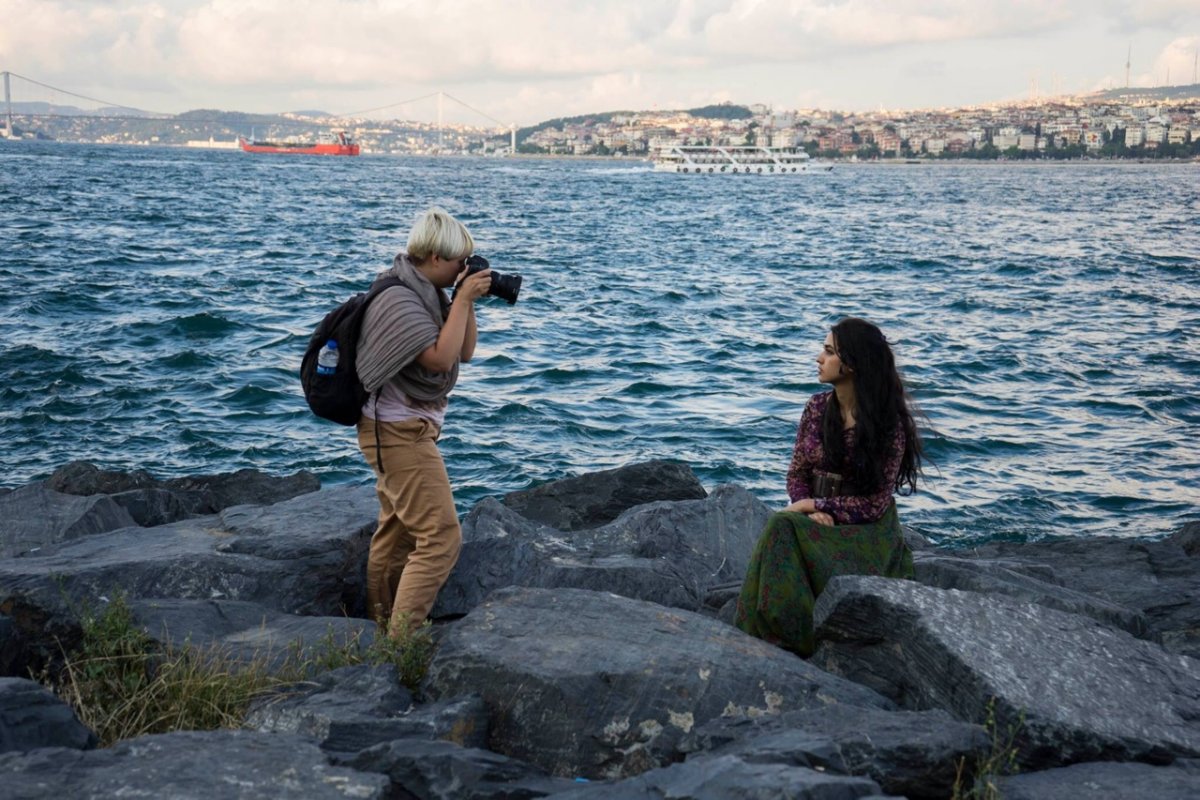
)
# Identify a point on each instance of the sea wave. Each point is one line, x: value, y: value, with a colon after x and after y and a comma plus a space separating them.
x: 156, y: 302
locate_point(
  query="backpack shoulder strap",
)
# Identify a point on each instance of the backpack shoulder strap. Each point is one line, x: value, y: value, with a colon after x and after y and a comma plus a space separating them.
x: 381, y: 284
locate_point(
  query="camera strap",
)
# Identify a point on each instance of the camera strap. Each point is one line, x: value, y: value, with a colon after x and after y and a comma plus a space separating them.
x: 378, y: 445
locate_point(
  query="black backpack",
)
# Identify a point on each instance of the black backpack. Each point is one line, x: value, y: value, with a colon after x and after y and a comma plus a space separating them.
x: 339, y: 397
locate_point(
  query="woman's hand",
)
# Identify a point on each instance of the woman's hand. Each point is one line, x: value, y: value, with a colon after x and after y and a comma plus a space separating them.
x: 473, y: 286
x: 805, y: 506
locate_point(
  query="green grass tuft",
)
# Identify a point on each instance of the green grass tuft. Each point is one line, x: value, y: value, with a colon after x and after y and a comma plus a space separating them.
x: 1000, y: 760
x: 123, y: 684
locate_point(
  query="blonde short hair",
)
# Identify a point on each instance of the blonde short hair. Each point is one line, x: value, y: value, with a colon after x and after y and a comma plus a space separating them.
x: 437, y: 233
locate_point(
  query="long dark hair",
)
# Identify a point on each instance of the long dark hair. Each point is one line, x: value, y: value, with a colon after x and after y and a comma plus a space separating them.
x: 883, y: 404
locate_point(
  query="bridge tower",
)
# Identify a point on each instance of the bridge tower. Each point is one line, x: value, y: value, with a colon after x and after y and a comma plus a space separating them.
x: 441, y: 130
x: 8, y: 130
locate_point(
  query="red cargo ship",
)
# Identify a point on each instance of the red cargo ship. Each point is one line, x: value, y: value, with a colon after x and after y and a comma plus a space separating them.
x: 328, y: 144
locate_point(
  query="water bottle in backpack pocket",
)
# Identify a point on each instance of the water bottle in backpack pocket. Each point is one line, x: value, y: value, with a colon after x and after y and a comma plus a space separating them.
x: 327, y: 359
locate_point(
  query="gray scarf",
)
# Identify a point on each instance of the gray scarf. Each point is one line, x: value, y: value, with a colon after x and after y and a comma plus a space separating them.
x: 400, y: 324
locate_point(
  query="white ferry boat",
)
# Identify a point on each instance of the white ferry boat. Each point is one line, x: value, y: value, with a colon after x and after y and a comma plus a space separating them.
x: 746, y: 159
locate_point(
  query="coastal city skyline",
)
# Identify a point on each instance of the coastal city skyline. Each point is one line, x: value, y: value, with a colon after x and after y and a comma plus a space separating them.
x: 522, y: 63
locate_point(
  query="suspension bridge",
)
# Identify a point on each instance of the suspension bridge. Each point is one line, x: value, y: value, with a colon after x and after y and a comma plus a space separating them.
x: 46, y: 111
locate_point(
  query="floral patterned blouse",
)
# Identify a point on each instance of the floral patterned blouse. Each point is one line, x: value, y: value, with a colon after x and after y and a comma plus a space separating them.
x: 849, y: 508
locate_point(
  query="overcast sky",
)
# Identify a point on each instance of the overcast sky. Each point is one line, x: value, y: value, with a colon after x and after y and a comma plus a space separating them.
x: 524, y: 61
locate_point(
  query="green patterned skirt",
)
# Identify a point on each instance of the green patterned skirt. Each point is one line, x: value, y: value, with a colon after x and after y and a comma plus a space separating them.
x: 794, y: 559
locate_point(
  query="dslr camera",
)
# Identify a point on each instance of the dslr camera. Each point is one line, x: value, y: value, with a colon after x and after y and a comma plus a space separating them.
x: 505, y: 287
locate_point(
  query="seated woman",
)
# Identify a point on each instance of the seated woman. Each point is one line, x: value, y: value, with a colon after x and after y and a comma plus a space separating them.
x: 856, y: 446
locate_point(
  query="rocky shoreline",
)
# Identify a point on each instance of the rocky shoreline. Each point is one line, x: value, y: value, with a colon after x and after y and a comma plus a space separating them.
x: 584, y: 649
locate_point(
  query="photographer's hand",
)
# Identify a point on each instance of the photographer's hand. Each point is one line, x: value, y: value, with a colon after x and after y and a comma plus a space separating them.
x: 473, y: 286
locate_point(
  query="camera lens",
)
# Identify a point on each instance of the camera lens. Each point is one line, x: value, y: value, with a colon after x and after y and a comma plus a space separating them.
x: 506, y: 287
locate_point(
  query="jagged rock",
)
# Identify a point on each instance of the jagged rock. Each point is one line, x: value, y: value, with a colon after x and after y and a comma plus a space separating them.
x: 729, y: 778
x: 247, y: 632
x: 80, y: 499
x: 151, y: 507
x: 459, y: 720
x: 592, y: 684
x: 188, y: 765
x: 445, y: 771
x: 1077, y: 690
x: 198, y: 495
x: 32, y: 717
x: 1010, y: 578
x: 12, y: 648
x: 1188, y: 538
x: 915, y: 541
x: 212, y: 493
x: 301, y: 556
x: 338, y: 698
x: 34, y: 517
x: 591, y: 500
x: 669, y: 552
x: 85, y: 478
x: 1103, y: 781
x: 909, y: 753
x: 1158, y: 578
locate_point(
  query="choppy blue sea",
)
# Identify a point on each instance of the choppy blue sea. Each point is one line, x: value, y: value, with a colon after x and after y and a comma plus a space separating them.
x: 156, y: 302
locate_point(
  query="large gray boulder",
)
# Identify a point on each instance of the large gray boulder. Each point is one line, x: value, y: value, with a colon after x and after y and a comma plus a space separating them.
x: 244, y: 632
x: 1025, y: 582
x: 591, y: 684
x: 729, y: 778
x: 302, y: 556
x: 909, y: 753
x: 340, y: 697
x: 1103, y: 781
x: 462, y: 721
x: 1161, y: 579
x: 193, y: 495
x: 436, y: 770
x: 1077, y: 690
x: 591, y: 500
x: 84, y: 478
x: 354, y: 708
x: 34, y: 517
x: 32, y: 717
x: 188, y: 766
x: 671, y: 553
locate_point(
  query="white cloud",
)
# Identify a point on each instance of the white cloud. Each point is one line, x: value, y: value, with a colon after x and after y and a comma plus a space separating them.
x: 1176, y: 64
x: 341, y: 54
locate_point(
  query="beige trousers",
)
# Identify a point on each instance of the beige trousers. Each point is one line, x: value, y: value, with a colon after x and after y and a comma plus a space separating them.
x: 418, y: 538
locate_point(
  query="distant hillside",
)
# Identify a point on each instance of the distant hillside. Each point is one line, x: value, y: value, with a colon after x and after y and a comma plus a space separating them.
x: 234, y: 118
x: 38, y: 107
x: 558, y: 122
x: 1164, y: 93
x: 722, y: 111
x: 311, y: 113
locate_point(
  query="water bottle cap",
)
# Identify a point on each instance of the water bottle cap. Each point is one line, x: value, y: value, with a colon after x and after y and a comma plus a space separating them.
x: 331, y: 344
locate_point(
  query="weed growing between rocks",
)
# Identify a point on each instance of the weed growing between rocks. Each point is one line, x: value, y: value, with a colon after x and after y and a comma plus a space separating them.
x: 411, y: 651
x: 123, y: 684
x: 1000, y: 760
